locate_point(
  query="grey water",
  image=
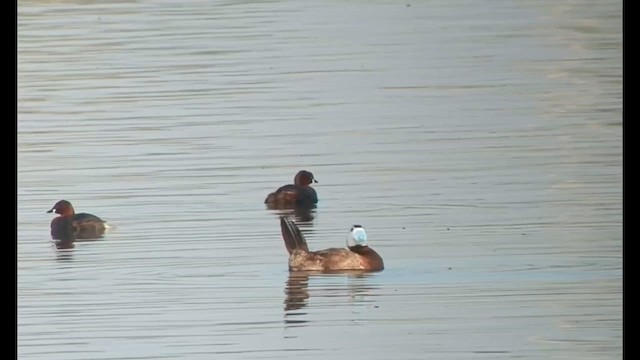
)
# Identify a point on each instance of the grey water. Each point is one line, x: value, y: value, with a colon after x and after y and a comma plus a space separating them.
x: 478, y: 142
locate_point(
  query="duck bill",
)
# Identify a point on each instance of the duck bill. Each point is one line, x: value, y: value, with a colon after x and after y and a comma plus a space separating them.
x: 50, y: 211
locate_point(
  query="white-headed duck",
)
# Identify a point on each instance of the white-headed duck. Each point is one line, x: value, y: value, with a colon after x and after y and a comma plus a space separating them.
x: 357, y: 256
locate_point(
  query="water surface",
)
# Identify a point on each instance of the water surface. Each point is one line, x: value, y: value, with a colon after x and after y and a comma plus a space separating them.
x: 479, y: 143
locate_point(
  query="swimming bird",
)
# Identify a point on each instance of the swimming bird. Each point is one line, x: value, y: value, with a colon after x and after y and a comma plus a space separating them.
x: 357, y: 256
x: 70, y: 225
x: 298, y: 194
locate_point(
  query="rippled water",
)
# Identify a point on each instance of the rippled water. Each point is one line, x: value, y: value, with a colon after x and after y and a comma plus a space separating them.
x: 479, y: 143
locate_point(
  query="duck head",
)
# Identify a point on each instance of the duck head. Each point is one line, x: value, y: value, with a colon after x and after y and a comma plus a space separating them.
x: 303, y: 178
x: 62, y: 207
x: 357, y: 237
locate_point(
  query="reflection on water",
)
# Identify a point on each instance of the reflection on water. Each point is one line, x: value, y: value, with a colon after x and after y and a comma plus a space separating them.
x: 69, y: 242
x: 298, y: 295
x: 65, y: 246
x: 302, y: 215
x: 296, y: 292
x: 64, y: 253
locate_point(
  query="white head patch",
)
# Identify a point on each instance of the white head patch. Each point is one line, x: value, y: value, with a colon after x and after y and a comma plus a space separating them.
x: 357, y: 236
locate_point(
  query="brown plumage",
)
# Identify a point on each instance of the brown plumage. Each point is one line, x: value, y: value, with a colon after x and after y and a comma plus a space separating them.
x: 298, y: 194
x: 70, y: 225
x: 356, y: 257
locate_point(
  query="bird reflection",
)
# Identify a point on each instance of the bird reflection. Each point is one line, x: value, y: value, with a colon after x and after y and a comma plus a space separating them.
x: 64, y: 246
x: 301, y: 214
x: 297, y: 293
x: 65, y: 242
